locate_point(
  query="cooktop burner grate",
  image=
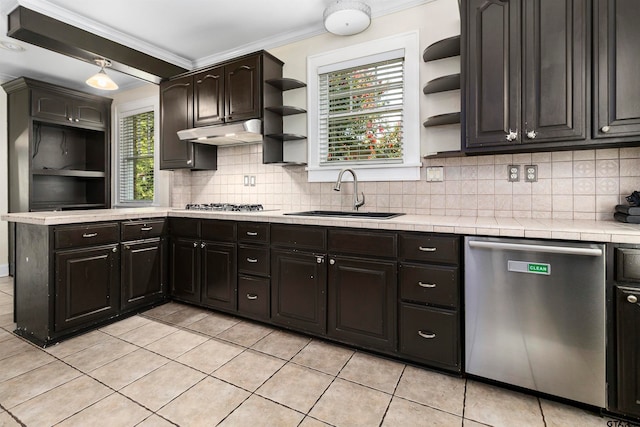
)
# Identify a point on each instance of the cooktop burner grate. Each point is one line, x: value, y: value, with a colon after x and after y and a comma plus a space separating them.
x: 228, y: 207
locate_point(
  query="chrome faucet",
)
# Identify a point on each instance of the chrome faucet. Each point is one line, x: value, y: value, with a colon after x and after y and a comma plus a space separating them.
x: 356, y: 202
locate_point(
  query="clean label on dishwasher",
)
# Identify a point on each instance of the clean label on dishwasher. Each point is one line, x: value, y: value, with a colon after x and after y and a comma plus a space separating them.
x: 529, y: 267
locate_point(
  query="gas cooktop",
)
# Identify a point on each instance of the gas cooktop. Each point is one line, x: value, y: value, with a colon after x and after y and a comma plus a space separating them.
x: 228, y: 207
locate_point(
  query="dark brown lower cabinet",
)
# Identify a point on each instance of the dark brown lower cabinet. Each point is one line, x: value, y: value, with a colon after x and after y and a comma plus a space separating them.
x: 253, y: 297
x: 87, y: 286
x: 184, y: 266
x: 627, y: 313
x: 219, y: 275
x: 362, y: 301
x: 143, y: 266
x: 299, y: 290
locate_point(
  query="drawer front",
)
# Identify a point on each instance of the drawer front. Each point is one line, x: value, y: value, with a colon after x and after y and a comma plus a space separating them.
x: 85, y: 235
x: 253, y: 260
x: 256, y: 232
x: 425, y: 247
x: 433, y: 285
x: 184, y: 227
x: 138, y: 230
x: 363, y: 243
x: 218, y: 231
x: 299, y: 236
x: 627, y: 265
x: 253, y: 296
x: 430, y: 335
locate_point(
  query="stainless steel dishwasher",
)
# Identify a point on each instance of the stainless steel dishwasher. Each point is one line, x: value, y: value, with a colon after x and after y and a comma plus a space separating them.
x: 535, y: 315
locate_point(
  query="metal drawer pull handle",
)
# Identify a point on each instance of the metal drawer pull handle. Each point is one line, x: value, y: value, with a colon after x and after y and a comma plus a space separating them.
x: 423, y: 249
x: 632, y: 299
x: 428, y: 336
x: 252, y: 260
x: 251, y: 233
x: 146, y: 229
x: 88, y: 235
x: 426, y: 285
x: 252, y: 296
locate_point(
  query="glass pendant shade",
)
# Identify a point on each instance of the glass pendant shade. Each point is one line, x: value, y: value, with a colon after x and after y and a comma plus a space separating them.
x: 101, y: 80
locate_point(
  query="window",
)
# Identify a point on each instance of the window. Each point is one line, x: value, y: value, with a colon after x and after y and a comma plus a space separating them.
x: 364, y: 110
x: 136, y: 147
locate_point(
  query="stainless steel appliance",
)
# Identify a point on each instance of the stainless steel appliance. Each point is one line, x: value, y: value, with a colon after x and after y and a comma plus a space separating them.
x: 535, y: 315
x: 227, y: 207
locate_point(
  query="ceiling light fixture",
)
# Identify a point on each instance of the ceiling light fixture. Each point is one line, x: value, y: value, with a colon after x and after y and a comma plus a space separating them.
x: 100, y: 80
x: 346, y: 17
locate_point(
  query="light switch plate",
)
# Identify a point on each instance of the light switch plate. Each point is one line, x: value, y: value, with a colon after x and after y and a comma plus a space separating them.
x: 252, y: 180
x: 246, y: 180
x: 435, y: 174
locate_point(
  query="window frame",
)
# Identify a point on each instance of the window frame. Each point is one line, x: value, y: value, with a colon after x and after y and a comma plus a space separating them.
x: 406, y: 44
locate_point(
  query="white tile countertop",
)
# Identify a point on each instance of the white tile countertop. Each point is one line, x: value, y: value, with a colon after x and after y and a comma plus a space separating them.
x: 594, y: 231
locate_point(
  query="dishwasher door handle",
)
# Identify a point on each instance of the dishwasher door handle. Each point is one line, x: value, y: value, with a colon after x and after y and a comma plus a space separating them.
x: 568, y: 250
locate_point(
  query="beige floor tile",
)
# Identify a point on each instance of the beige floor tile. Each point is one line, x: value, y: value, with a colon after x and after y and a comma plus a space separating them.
x: 28, y: 385
x: 12, y: 346
x: 6, y: 322
x: 5, y: 335
x: 210, y: 355
x: 206, y: 404
x: 55, y: 405
x: 312, y: 422
x: 76, y: 344
x: 6, y: 299
x: 161, y: 386
x: 560, y: 415
x: 100, y: 354
x: 349, y: 404
x: 296, y: 386
x: 282, y: 344
x: 129, y: 368
x: 7, y: 420
x: 214, y: 324
x: 372, y: 371
x: 146, y: 334
x: 433, y: 389
x: 23, y: 362
x: 164, y: 310
x: 257, y: 411
x: 176, y: 344
x: 325, y: 357
x: 155, y: 421
x: 6, y: 308
x: 113, y: 411
x: 403, y: 413
x: 471, y: 423
x: 500, y: 407
x: 124, y: 326
x: 186, y: 316
x: 249, y: 370
x: 245, y: 333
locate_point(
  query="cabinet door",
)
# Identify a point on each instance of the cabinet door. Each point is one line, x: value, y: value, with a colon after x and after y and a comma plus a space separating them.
x: 143, y: 271
x: 219, y: 275
x: 242, y: 88
x: 87, y: 286
x: 362, y: 302
x: 616, y: 36
x: 51, y: 106
x: 628, y: 349
x: 184, y: 264
x: 208, y: 97
x: 298, y: 290
x: 493, y: 72
x: 90, y: 114
x: 555, y: 70
x: 176, y: 113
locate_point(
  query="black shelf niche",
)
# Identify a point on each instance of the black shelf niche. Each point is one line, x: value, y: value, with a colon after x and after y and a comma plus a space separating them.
x: 441, y: 49
x: 442, y: 119
x: 442, y: 84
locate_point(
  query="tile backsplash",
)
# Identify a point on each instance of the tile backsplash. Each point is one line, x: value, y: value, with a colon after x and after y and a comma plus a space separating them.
x: 584, y: 184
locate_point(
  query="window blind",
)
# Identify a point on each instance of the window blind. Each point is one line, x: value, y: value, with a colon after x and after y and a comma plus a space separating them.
x: 136, y: 158
x: 360, y: 112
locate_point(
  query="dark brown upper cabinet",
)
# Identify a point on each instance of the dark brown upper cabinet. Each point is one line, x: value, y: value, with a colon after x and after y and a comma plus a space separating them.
x: 208, y: 97
x: 242, y: 89
x: 615, y: 73
x: 526, y: 73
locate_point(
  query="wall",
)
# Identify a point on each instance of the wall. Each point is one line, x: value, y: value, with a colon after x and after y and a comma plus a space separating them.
x: 4, y: 189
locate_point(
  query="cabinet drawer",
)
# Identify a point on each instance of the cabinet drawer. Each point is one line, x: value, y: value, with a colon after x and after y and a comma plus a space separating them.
x: 184, y: 227
x: 430, y: 335
x: 628, y: 264
x: 84, y: 235
x: 138, y: 230
x: 218, y: 231
x: 253, y: 296
x: 425, y: 247
x: 299, y: 236
x: 253, y: 260
x: 256, y: 232
x: 429, y: 284
x: 363, y: 243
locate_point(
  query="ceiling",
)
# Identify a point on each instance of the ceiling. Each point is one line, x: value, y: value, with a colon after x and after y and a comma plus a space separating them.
x: 187, y: 33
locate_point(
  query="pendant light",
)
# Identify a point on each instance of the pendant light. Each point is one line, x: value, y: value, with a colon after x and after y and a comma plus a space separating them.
x: 347, y: 17
x: 101, y: 80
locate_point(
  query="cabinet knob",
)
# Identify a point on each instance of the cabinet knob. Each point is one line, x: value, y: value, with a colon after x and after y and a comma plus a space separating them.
x: 114, y: 250
x: 531, y: 134
x: 512, y: 136
x: 605, y: 129
x: 195, y: 244
x: 189, y: 162
x: 76, y: 120
x: 332, y: 261
x: 203, y: 244
x: 632, y: 299
x: 70, y: 119
x: 320, y: 259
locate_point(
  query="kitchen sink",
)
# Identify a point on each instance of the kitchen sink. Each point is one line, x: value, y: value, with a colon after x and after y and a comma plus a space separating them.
x: 348, y: 214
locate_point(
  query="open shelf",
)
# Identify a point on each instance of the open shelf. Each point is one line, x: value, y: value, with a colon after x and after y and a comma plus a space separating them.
x: 442, y: 119
x: 286, y: 83
x: 285, y: 110
x: 442, y: 49
x: 68, y: 172
x: 442, y: 84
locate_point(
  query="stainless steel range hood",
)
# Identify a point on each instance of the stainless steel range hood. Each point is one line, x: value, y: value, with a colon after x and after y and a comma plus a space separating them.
x: 246, y: 132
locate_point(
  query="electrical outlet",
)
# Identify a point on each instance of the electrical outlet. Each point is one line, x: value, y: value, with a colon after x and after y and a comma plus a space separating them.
x: 531, y: 173
x: 246, y: 180
x: 513, y: 173
x: 435, y: 174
